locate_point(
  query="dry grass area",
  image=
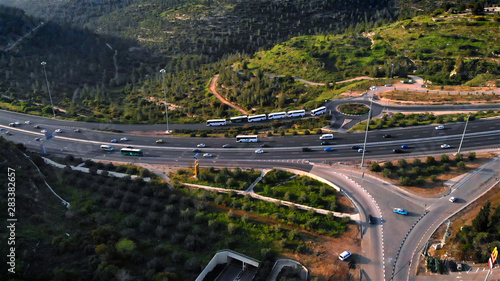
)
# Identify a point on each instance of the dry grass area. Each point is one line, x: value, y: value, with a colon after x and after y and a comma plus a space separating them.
x: 322, y: 258
x: 438, y: 187
x: 323, y: 261
x: 419, y: 97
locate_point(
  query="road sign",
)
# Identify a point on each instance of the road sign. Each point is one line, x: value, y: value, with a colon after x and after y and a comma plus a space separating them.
x: 494, y: 255
x: 48, y: 136
x: 196, y: 156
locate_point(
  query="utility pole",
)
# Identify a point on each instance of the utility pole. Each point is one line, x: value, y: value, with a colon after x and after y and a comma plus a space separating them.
x: 392, y: 69
x: 367, y: 127
x: 165, y: 94
x: 463, y: 135
x: 48, y: 89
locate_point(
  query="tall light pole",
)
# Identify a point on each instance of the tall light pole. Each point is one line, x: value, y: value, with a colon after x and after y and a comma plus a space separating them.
x: 165, y: 94
x: 48, y: 89
x: 372, y: 88
x: 463, y: 135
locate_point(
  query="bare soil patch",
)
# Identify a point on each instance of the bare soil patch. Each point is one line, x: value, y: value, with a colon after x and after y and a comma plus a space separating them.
x: 453, y: 98
x: 322, y: 257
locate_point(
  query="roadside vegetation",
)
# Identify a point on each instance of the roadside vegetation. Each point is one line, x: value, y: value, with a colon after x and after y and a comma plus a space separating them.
x: 424, y: 173
x: 298, y: 189
x: 108, y: 229
x: 236, y: 179
x: 290, y: 216
x: 354, y: 108
x: 404, y: 97
x: 415, y: 119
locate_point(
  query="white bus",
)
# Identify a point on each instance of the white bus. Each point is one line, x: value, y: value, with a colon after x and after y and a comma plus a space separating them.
x: 318, y: 111
x: 255, y: 118
x: 247, y: 138
x: 326, y: 137
x: 238, y: 119
x: 216, y: 122
x: 276, y: 115
x: 296, y: 113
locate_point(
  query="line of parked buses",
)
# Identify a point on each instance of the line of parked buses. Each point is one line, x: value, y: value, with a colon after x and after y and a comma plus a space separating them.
x: 263, y: 117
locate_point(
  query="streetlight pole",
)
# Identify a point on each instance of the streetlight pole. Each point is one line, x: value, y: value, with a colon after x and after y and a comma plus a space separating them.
x: 48, y: 89
x: 367, y: 126
x: 165, y: 94
x: 463, y: 135
x: 392, y: 69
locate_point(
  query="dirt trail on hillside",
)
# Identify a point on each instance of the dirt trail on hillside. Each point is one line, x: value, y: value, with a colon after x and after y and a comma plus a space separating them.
x: 213, y: 84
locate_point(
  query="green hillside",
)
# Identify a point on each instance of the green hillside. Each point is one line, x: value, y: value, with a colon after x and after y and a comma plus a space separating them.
x: 431, y: 46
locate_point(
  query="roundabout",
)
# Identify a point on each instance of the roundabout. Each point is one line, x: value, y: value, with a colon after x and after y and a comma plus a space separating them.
x: 353, y: 108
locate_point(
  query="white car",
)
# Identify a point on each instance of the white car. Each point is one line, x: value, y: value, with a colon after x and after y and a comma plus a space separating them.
x: 201, y: 145
x: 440, y: 127
x: 27, y: 122
x: 124, y: 139
x: 453, y: 199
x: 207, y: 155
x: 360, y: 150
x: 445, y: 146
x: 58, y: 131
x: 345, y: 255
x: 259, y: 151
x: 43, y: 131
x: 18, y: 123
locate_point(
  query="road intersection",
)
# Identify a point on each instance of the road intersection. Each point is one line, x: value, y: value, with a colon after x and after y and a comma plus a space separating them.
x: 387, y: 245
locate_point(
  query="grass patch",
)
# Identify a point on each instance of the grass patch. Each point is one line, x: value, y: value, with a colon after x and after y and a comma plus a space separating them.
x: 302, y: 190
x: 354, y: 108
x: 415, y: 119
x: 237, y: 179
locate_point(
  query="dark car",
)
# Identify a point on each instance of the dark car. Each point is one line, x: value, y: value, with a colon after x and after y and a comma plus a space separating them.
x: 371, y: 219
x: 36, y: 126
x: 197, y: 150
x: 264, y: 145
x: 306, y: 149
x: 355, y: 147
x: 386, y: 136
x: 397, y: 150
x: 325, y: 143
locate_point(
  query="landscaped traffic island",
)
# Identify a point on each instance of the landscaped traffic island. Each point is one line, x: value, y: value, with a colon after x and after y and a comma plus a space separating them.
x: 354, y: 109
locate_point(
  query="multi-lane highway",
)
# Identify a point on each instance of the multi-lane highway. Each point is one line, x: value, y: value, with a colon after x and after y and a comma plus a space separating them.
x: 370, y: 195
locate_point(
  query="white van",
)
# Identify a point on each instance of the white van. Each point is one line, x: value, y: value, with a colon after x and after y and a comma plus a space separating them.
x: 326, y: 137
x: 106, y: 147
x: 344, y: 255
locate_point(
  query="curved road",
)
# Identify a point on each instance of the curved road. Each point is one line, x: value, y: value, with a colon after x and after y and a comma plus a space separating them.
x: 370, y: 195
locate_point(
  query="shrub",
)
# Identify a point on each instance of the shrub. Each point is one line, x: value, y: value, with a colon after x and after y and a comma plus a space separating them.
x: 434, y: 178
x: 472, y: 156
x: 461, y: 165
x: 125, y: 247
x: 417, y: 162
x: 405, y: 181
x: 388, y: 165
x: 445, y: 158
x: 387, y: 173
x: 375, y: 167
x: 402, y: 163
x: 445, y: 167
x: 430, y: 160
x: 459, y: 157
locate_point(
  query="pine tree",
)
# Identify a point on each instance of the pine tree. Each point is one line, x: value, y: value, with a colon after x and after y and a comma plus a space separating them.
x: 481, y: 222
